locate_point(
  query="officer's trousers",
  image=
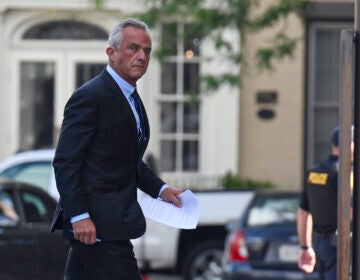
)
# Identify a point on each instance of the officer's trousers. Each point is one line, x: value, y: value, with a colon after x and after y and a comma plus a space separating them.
x: 325, y: 252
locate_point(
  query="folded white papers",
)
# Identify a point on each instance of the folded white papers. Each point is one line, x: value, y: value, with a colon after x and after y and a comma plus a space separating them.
x: 167, y: 213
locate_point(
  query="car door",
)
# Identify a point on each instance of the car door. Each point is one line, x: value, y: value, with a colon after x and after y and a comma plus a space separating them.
x: 51, y: 249
x: 17, y: 243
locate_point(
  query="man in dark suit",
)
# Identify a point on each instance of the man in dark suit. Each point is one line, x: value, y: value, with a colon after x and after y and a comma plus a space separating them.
x: 98, y: 163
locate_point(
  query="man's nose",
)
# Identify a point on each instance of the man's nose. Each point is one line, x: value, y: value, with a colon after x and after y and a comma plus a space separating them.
x: 142, y: 54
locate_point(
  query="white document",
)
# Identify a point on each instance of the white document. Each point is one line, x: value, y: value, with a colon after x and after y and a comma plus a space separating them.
x: 167, y: 213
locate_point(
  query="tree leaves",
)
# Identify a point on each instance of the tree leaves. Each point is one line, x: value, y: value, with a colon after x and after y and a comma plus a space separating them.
x: 211, y: 21
x: 282, y: 47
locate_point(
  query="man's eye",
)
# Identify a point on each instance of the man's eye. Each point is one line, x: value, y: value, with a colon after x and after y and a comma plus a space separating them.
x: 134, y: 48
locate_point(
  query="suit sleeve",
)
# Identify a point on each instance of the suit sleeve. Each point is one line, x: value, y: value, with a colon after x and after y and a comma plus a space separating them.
x: 77, y: 131
x: 149, y: 182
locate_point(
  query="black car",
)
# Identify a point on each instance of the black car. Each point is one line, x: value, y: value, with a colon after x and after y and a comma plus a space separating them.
x: 263, y: 244
x: 27, y: 249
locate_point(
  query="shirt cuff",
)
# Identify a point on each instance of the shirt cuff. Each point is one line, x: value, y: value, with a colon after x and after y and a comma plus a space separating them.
x: 79, y: 217
x: 162, y: 189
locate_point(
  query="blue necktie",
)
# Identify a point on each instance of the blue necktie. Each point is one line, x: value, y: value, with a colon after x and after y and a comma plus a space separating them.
x: 137, y: 103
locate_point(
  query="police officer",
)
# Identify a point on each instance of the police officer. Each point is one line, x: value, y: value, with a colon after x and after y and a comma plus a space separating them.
x: 317, y: 216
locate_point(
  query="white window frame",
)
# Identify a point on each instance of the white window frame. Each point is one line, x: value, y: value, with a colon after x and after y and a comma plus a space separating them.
x: 180, y: 98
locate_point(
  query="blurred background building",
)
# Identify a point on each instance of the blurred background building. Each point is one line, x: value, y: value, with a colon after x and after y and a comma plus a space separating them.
x: 271, y: 130
x: 302, y: 93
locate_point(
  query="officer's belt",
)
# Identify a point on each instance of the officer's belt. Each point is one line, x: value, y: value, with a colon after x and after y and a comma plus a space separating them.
x: 324, y: 234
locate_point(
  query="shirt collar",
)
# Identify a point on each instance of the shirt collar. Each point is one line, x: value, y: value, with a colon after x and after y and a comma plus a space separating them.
x: 125, y: 87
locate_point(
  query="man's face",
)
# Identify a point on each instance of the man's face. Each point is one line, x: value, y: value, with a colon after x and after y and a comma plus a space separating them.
x: 131, y: 59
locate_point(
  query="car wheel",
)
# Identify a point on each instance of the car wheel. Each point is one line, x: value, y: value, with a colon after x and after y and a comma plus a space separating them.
x: 203, y: 262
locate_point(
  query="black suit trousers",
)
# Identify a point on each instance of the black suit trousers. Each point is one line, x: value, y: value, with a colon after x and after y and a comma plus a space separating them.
x: 102, y: 261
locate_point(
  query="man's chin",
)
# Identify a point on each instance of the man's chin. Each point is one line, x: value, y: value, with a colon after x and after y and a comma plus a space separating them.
x: 138, y: 74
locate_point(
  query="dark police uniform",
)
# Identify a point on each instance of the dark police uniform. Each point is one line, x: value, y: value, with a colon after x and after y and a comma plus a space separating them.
x: 319, y: 197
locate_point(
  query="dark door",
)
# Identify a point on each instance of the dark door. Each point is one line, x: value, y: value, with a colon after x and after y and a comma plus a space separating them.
x: 17, y: 243
x: 51, y: 250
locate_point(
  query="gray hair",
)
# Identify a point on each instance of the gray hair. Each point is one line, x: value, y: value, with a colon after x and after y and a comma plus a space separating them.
x: 115, y: 36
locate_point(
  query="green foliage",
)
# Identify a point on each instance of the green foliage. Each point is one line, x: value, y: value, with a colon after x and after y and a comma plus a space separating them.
x: 210, y: 21
x: 277, y: 11
x: 211, y: 83
x: 98, y: 4
x: 282, y: 47
x: 232, y: 182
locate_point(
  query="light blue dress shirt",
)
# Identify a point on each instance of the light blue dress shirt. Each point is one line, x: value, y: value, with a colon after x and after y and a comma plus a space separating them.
x: 127, y: 90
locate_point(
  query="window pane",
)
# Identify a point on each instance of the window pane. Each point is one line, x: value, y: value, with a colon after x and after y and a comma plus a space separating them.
x: 168, y: 117
x: 8, y: 213
x: 191, y: 117
x: 327, y: 65
x: 168, y: 78
x: 190, y: 155
x: 86, y: 71
x: 192, y: 41
x: 191, y: 78
x: 169, y: 39
x: 59, y: 30
x: 36, y: 173
x: 273, y: 210
x: 36, y: 105
x: 326, y: 120
x: 35, y: 208
x: 168, y: 155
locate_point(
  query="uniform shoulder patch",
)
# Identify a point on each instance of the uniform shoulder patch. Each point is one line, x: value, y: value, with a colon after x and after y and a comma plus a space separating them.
x: 317, y: 178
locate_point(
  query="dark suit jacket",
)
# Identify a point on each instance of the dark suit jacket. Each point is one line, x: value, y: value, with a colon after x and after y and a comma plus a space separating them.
x: 98, y: 162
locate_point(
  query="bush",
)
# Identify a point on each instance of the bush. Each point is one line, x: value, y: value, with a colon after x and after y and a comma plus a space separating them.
x: 232, y: 182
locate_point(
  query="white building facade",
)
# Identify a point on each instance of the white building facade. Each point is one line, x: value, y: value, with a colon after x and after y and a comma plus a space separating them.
x: 48, y: 48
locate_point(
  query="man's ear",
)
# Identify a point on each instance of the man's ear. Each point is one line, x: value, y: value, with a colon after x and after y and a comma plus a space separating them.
x: 110, y: 51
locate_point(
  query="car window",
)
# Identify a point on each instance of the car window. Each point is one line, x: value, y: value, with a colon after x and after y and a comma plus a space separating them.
x: 8, y: 214
x: 273, y: 210
x: 35, y: 173
x: 36, y: 207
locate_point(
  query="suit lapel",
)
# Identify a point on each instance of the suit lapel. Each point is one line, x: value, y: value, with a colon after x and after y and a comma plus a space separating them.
x: 124, y: 107
x: 121, y: 103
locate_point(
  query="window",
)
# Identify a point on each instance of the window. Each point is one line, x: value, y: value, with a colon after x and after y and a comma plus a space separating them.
x: 8, y: 214
x: 45, y: 76
x: 36, y: 105
x: 86, y: 71
x: 180, y: 123
x: 273, y: 210
x: 65, y: 29
x: 36, y: 207
x: 324, y: 87
x: 35, y: 173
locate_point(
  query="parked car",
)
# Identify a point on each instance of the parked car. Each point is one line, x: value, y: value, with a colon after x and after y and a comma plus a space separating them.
x: 33, y: 167
x: 27, y: 250
x: 263, y: 244
x: 196, y: 254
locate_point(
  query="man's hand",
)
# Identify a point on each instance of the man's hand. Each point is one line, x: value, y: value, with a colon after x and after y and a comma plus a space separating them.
x: 171, y: 195
x: 307, y: 260
x: 85, y: 231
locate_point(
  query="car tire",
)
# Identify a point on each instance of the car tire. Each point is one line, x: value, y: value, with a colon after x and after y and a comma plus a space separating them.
x: 203, y: 262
